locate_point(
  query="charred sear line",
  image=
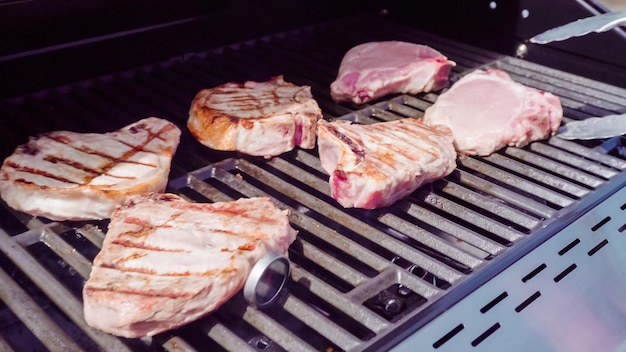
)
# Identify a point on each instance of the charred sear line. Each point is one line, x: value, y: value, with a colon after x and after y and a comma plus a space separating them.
x: 149, y: 293
x: 39, y: 172
x: 228, y: 211
x: 141, y: 245
x: 29, y: 148
x: 113, y: 161
x: 356, y: 149
x: 147, y: 271
x: 73, y: 163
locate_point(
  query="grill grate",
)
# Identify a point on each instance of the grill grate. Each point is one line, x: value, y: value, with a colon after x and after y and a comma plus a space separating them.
x: 359, y: 276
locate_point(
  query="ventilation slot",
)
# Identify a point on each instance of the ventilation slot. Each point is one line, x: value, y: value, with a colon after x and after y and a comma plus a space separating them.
x: 493, y: 302
x: 533, y: 273
x: 565, y: 272
x: 598, y: 247
x: 528, y: 301
x: 486, y: 334
x: 448, y: 336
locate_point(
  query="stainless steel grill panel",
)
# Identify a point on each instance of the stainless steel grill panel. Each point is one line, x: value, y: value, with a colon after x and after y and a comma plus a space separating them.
x: 428, y: 250
x: 577, y: 274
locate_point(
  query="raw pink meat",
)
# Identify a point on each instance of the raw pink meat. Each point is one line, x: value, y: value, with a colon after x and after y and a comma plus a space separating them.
x: 487, y: 110
x: 372, y: 70
x: 375, y: 165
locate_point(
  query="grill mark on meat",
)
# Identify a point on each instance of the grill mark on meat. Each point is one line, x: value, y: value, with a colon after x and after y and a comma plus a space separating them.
x: 411, y: 139
x: 360, y: 153
x: 122, y: 293
x: 242, y: 101
x: 141, y: 245
x: 137, y: 221
x: 228, y: 211
x: 149, y: 293
x: 249, y: 246
x: 39, y: 172
x: 146, y: 271
x: 147, y: 229
x: 31, y: 149
x: 134, y: 149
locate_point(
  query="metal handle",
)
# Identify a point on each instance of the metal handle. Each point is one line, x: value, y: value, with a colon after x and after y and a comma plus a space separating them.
x: 266, y: 280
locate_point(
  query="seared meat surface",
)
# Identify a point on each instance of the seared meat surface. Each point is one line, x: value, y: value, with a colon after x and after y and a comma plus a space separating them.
x: 66, y: 175
x: 372, y: 166
x: 166, y: 262
x: 255, y: 118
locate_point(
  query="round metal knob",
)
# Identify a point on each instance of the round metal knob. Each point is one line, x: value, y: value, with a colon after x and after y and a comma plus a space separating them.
x: 266, y: 280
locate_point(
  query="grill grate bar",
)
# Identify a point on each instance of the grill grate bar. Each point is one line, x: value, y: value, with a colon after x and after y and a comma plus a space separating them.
x: 4, y: 345
x: 494, y: 206
x: 605, y: 95
x: 537, y: 175
x: 55, y: 291
x: 33, y: 316
x: 453, y: 229
x: 224, y: 336
x: 566, y: 158
x: 68, y: 253
x: 432, y: 241
x: 322, y: 324
x: 502, y: 194
x: 322, y: 258
x: 177, y: 344
x: 275, y: 330
x: 589, y: 155
x: 339, y: 300
x: 515, y: 182
x: 556, y: 167
x: 484, y: 222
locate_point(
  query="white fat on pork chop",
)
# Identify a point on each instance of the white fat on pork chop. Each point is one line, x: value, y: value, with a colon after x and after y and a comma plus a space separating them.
x: 372, y: 166
x: 255, y: 118
x: 66, y: 175
x: 487, y: 110
x: 166, y: 262
x: 371, y: 70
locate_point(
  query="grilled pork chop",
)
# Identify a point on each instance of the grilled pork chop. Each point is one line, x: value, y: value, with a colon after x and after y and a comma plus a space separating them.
x: 372, y: 70
x: 487, y: 110
x: 73, y: 176
x: 166, y: 262
x: 375, y: 165
x: 255, y: 118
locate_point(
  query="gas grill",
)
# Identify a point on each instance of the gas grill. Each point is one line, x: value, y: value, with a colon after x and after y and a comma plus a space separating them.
x: 520, y: 250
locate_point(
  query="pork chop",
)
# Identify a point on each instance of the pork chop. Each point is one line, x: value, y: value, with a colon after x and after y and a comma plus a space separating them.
x: 166, y: 262
x: 487, y: 110
x: 255, y: 118
x: 74, y: 176
x: 375, y: 165
x: 371, y: 70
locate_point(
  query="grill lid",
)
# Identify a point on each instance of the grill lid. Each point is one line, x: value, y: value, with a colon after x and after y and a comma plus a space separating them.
x: 358, y: 277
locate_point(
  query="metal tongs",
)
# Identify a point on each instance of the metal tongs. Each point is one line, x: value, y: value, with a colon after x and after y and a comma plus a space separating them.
x: 598, y: 24
x: 594, y: 128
